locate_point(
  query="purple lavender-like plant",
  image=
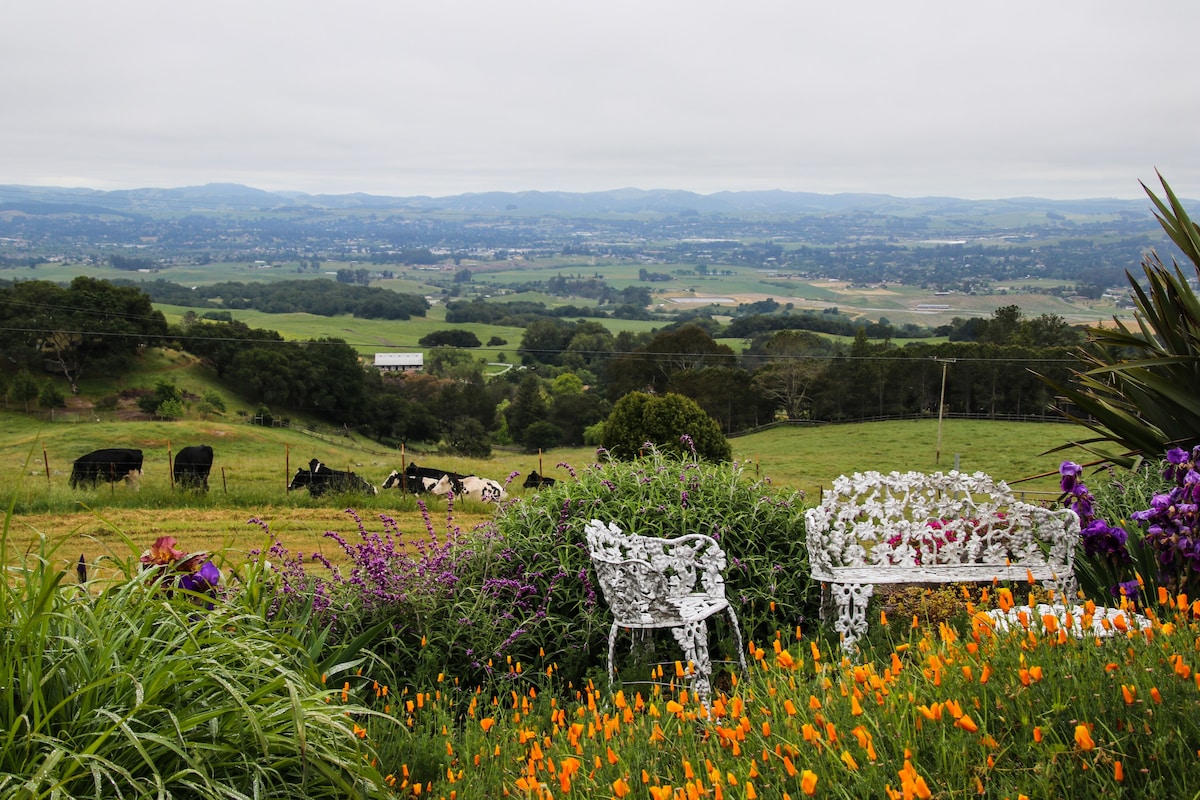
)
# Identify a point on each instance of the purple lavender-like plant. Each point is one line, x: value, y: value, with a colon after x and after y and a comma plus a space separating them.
x: 1172, y: 521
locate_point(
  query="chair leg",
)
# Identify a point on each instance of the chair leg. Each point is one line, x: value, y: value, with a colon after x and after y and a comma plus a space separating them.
x: 693, y: 640
x: 612, y: 652
x: 737, y: 635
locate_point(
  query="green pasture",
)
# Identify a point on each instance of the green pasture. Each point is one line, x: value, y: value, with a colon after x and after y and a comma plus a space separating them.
x: 370, y: 336
x: 253, y: 463
x: 745, y: 284
x: 185, y: 274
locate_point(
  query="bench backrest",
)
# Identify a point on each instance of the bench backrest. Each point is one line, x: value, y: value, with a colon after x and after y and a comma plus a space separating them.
x: 930, y: 523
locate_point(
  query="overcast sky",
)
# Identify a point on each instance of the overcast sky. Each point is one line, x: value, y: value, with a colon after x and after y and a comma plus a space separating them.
x: 966, y: 98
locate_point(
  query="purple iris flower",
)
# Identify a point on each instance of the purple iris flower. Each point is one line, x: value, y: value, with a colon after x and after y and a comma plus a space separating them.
x: 1126, y: 588
x: 202, y: 581
x: 1100, y: 538
x: 1070, y: 472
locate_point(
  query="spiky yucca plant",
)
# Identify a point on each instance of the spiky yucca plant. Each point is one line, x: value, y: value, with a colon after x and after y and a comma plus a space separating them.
x: 1139, y: 387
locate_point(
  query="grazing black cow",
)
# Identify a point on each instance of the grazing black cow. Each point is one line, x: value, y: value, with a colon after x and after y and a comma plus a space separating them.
x: 535, y: 481
x: 192, y: 465
x: 419, y: 480
x: 321, y: 479
x: 111, y: 464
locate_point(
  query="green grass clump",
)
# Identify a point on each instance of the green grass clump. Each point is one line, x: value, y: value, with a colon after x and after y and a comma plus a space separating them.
x: 132, y: 690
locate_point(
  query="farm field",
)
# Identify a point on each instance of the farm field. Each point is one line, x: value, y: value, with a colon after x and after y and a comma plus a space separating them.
x: 184, y: 274
x: 253, y: 465
x: 742, y: 285
x: 745, y: 285
x: 369, y: 336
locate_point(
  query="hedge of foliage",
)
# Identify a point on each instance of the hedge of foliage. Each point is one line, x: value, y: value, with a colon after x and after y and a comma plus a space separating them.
x: 519, y: 588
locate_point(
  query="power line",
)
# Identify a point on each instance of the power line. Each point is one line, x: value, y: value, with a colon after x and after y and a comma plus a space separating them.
x: 79, y: 310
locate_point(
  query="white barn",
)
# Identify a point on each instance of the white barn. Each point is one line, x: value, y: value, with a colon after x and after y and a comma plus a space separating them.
x: 399, y: 362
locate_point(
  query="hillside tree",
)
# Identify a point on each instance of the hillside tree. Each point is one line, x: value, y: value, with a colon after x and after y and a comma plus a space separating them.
x: 87, y: 327
x: 639, y: 418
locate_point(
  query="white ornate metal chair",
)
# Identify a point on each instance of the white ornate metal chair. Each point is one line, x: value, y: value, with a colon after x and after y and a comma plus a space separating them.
x: 678, y: 584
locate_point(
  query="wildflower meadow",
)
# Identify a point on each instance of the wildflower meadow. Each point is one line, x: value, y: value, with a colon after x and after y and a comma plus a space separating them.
x: 472, y: 664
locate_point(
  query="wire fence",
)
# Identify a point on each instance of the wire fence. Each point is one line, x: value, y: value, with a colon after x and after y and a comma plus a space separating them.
x: 813, y: 423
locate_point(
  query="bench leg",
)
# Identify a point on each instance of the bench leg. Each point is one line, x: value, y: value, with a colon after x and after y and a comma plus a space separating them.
x: 851, y: 600
x: 1065, y: 588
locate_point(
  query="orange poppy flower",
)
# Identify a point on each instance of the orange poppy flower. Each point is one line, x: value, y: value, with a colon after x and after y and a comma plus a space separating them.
x: 1083, y: 738
x: 966, y: 723
x: 808, y: 782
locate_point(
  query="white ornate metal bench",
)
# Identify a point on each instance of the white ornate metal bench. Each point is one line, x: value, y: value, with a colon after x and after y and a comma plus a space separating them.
x: 677, y: 583
x: 935, y: 527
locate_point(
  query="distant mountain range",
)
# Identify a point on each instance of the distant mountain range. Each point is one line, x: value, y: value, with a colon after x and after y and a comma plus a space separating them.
x: 219, y: 198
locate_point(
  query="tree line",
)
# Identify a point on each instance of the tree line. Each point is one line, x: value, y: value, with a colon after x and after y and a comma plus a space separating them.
x: 570, y: 376
x: 311, y: 296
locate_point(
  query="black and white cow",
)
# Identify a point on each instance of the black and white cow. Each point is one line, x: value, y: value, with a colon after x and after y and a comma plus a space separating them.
x: 536, y: 481
x: 110, y: 464
x: 320, y: 479
x: 472, y: 487
x: 192, y: 465
x: 419, y: 480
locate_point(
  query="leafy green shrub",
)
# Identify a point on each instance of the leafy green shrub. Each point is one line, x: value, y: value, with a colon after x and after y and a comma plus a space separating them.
x: 214, y: 398
x: 50, y: 396
x: 541, y: 435
x: 22, y: 388
x: 108, y: 402
x: 164, y: 392
x: 467, y: 437
x: 170, y: 410
x: 593, y: 435
x: 521, y: 587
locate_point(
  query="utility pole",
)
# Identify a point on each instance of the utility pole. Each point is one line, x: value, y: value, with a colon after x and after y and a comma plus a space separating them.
x: 945, y: 362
